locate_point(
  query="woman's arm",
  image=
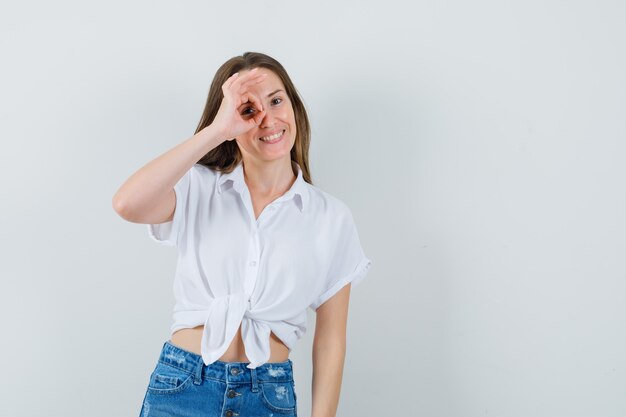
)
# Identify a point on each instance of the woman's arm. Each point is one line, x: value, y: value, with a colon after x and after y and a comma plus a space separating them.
x: 147, y: 196
x: 329, y: 349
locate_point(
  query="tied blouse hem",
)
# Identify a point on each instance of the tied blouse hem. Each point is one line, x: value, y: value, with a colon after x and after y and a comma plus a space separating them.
x: 221, y: 320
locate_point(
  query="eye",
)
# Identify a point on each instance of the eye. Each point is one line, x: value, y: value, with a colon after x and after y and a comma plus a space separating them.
x: 245, y: 111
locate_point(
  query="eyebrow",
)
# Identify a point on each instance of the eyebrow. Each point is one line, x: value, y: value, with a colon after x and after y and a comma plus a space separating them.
x: 274, y: 92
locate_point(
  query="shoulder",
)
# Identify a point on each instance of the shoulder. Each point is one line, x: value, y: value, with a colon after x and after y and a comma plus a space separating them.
x: 203, y: 170
x: 202, y: 175
x: 197, y: 179
x: 327, y: 205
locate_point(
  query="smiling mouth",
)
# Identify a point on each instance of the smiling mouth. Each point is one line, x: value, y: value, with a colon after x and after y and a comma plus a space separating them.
x: 273, y: 138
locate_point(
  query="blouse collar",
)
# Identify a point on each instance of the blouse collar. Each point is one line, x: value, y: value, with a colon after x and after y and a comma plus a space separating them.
x: 238, y: 183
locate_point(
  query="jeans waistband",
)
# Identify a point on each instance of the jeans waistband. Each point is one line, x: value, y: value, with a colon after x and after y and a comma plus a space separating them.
x: 229, y: 372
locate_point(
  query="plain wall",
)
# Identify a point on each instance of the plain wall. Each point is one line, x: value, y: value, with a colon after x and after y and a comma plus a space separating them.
x: 480, y: 146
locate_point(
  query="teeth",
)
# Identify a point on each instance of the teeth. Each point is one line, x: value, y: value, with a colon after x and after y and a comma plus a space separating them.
x: 271, y: 138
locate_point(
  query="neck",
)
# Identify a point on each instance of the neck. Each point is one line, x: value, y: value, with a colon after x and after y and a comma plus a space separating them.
x: 270, y: 178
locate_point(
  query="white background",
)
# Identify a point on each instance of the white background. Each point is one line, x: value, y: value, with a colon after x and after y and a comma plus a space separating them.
x: 479, y: 144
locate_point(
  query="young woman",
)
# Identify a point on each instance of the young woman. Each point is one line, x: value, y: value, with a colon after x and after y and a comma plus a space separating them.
x: 257, y: 245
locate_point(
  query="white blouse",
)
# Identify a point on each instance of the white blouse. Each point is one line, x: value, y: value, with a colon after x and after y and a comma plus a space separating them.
x: 261, y: 273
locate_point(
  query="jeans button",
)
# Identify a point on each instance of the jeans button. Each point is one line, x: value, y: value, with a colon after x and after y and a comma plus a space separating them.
x: 234, y: 371
x: 231, y: 393
x: 229, y: 413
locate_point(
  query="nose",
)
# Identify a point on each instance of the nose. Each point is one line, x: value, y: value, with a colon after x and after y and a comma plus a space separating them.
x: 268, y: 119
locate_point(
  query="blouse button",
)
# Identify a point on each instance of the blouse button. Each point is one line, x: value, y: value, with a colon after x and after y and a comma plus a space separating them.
x: 252, y: 263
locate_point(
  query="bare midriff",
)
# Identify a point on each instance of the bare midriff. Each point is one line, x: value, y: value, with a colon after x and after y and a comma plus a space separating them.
x: 190, y: 339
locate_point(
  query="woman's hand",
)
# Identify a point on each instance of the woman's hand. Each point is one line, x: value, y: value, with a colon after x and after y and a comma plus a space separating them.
x: 229, y: 120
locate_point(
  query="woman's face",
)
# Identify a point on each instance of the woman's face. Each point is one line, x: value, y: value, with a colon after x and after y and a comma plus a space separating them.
x: 279, y: 118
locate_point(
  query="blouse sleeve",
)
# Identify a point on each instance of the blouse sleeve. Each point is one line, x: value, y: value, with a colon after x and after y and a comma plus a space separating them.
x: 349, y: 264
x: 168, y: 233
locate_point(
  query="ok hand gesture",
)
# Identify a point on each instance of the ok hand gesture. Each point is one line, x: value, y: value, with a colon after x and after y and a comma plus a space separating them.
x: 228, y: 119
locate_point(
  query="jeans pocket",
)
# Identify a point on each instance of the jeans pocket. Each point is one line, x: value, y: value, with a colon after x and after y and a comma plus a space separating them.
x: 279, y: 397
x: 168, y: 379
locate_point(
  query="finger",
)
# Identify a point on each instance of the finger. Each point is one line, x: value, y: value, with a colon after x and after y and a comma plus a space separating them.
x: 230, y: 80
x: 255, y: 101
x: 246, y: 80
x: 245, y: 87
x: 237, y: 76
x: 249, y: 101
x: 249, y: 83
x: 245, y: 95
x: 259, y: 117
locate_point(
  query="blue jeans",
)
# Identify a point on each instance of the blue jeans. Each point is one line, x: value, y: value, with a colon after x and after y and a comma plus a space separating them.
x: 182, y: 385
